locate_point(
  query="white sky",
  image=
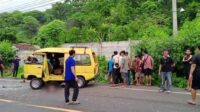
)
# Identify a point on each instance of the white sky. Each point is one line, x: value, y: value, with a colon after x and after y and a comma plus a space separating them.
x: 26, y: 5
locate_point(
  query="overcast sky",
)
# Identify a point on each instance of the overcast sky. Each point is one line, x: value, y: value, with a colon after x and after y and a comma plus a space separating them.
x: 26, y: 5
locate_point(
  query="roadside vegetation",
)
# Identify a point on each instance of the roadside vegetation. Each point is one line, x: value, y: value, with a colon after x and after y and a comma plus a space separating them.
x: 149, y: 21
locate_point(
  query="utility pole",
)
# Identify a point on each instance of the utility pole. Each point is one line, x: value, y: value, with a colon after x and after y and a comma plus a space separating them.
x: 174, y: 13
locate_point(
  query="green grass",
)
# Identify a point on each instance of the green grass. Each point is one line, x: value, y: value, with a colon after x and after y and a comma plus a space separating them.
x: 8, y: 72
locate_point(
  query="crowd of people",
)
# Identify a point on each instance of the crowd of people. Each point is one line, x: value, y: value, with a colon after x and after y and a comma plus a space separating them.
x: 120, y: 65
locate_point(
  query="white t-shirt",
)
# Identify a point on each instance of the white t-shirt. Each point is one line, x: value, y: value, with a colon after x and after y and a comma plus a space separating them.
x: 115, y: 60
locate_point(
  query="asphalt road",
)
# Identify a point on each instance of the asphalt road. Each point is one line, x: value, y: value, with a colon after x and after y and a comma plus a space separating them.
x: 97, y: 98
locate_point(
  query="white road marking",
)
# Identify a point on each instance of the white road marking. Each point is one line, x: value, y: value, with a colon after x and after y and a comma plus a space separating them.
x: 153, y: 90
x: 53, y: 108
x: 41, y: 106
x: 7, y: 101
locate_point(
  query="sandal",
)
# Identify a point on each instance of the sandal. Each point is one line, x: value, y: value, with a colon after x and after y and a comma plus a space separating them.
x: 191, y: 103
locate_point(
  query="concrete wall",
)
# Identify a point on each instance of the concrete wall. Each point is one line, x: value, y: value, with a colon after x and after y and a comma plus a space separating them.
x: 105, y: 48
x: 102, y: 49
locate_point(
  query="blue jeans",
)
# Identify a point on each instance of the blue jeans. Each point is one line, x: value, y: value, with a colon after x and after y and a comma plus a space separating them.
x: 128, y: 78
x: 166, y: 76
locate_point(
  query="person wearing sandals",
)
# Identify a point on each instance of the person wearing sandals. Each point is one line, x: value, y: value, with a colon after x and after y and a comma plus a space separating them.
x: 165, y: 71
x: 187, y: 61
x: 195, y: 77
x: 148, y: 67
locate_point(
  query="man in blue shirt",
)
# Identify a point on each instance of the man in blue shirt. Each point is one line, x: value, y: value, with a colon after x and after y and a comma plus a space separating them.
x: 15, y: 66
x: 71, y: 79
x: 110, y: 69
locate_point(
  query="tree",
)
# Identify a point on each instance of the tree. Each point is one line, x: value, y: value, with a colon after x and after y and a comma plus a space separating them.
x: 60, y: 11
x: 6, y: 51
x: 40, y: 16
x: 31, y: 25
x: 8, y: 33
x: 52, y: 34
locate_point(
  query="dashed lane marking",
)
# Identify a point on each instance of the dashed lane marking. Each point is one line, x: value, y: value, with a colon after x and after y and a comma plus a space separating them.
x: 7, y: 101
x: 40, y: 106
x: 152, y: 90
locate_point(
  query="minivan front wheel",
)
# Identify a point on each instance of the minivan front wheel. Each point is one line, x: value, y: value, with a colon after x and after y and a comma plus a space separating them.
x: 81, y: 82
x: 36, y: 83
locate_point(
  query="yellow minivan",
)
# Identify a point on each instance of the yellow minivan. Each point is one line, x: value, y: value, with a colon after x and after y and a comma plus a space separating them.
x: 48, y: 65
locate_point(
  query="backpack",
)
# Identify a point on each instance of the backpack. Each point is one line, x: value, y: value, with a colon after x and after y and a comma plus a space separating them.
x: 142, y: 65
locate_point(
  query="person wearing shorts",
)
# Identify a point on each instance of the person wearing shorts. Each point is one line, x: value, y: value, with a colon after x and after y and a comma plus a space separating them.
x: 187, y: 61
x: 138, y: 71
x: 148, y: 67
x: 195, y: 77
x: 124, y: 67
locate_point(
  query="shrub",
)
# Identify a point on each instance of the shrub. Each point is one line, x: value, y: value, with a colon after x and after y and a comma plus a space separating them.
x: 52, y: 34
x: 102, y: 69
x: 188, y: 37
x: 6, y: 52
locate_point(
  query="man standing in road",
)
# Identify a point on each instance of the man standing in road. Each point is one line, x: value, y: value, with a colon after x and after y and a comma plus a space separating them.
x: 71, y: 79
x: 15, y: 66
x: 195, y: 77
x: 165, y: 70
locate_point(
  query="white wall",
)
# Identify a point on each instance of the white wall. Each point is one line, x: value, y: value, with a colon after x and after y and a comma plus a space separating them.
x: 105, y: 48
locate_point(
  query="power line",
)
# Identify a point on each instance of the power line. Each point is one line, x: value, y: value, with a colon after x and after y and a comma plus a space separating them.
x: 25, y: 5
x: 31, y: 5
x: 39, y: 6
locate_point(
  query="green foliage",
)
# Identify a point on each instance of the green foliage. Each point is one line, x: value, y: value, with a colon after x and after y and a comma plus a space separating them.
x: 40, y: 16
x: 99, y: 20
x: 179, y: 82
x: 30, y: 25
x: 6, y: 51
x: 149, y: 21
x: 102, y: 69
x: 52, y: 34
x: 188, y: 37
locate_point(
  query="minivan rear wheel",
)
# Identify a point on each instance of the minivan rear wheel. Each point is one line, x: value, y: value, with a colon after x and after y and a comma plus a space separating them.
x: 81, y: 82
x: 36, y: 83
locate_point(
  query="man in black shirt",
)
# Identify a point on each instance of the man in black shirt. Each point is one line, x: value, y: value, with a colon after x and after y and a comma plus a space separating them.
x: 195, y: 77
x: 165, y: 70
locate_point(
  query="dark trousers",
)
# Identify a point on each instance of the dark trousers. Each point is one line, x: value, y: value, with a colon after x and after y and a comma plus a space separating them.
x: 71, y: 84
x: 15, y: 71
x: 1, y: 70
x: 117, y: 78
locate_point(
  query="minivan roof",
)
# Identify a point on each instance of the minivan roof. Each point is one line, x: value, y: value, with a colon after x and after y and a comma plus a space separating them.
x: 59, y: 50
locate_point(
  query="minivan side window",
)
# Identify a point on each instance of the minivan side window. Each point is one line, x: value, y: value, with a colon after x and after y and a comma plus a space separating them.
x: 35, y: 59
x: 82, y: 60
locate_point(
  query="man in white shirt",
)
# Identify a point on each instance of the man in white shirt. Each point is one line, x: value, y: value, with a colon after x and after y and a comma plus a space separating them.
x: 116, y: 70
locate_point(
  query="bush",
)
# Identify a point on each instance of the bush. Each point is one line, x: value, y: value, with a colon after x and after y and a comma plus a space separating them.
x: 6, y: 52
x: 102, y: 69
x: 52, y: 34
x: 188, y: 37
